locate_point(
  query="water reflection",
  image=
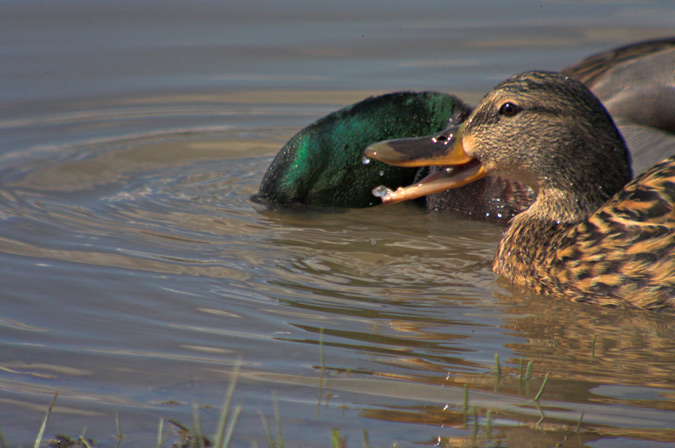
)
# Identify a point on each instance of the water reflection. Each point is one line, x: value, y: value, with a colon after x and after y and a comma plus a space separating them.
x: 599, y: 345
x: 579, y: 351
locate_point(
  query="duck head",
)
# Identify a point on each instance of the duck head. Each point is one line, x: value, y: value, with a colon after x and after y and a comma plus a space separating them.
x: 543, y: 129
x: 322, y: 164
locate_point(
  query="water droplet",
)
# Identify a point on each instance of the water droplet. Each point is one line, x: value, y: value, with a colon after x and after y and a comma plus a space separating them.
x: 365, y: 160
x: 381, y: 191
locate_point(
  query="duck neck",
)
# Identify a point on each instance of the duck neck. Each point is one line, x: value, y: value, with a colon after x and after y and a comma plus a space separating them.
x: 527, y: 249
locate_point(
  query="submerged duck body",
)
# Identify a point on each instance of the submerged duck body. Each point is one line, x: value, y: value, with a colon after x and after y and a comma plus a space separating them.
x: 587, y: 236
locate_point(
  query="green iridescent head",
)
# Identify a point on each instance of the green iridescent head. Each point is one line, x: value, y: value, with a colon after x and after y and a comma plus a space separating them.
x: 322, y: 165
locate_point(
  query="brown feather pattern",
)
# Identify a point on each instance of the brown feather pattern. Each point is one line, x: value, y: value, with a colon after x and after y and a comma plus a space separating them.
x: 623, y: 255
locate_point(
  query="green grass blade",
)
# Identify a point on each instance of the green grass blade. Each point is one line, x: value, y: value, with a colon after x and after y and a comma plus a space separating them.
x: 230, y: 428
x: 120, y: 436
x: 160, y: 430
x: 541, y: 389
x: 269, y: 438
x: 83, y: 441
x: 541, y: 419
x: 179, y: 425
x: 227, y: 403
x: 41, y: 433
x: 581, y: 416
x: 488, y: 423
x: 197, y: 427
x: 466, y: 398
x: 337, y: 440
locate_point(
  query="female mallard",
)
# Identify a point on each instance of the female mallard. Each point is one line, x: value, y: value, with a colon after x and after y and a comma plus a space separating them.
x: 548, y: 131
x: 636, y: 84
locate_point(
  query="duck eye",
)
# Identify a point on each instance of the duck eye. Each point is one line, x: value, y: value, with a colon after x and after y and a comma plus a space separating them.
x: 509, y: 109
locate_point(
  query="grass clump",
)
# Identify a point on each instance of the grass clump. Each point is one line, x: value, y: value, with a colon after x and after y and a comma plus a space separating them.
x: 227, y: 421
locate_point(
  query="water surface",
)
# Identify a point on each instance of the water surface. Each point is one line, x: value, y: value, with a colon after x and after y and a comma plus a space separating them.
x: 136, y: 270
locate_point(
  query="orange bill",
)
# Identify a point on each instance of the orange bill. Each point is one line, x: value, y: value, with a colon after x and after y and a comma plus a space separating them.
x: 442, y: 149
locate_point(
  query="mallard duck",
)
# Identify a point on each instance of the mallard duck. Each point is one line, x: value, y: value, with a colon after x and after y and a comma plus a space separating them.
x: 591, y: 234
x: 321, y: 165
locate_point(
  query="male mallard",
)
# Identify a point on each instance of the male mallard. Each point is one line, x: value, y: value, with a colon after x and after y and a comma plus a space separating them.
x: 548, y: 131
x: 321, y: 165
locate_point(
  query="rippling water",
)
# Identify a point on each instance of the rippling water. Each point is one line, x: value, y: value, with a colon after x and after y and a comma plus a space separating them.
x: 136, y: 270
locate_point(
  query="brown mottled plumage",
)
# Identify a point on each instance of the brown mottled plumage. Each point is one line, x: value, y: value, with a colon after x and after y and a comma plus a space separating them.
x: 622, y: 255
x: 588, y: 236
